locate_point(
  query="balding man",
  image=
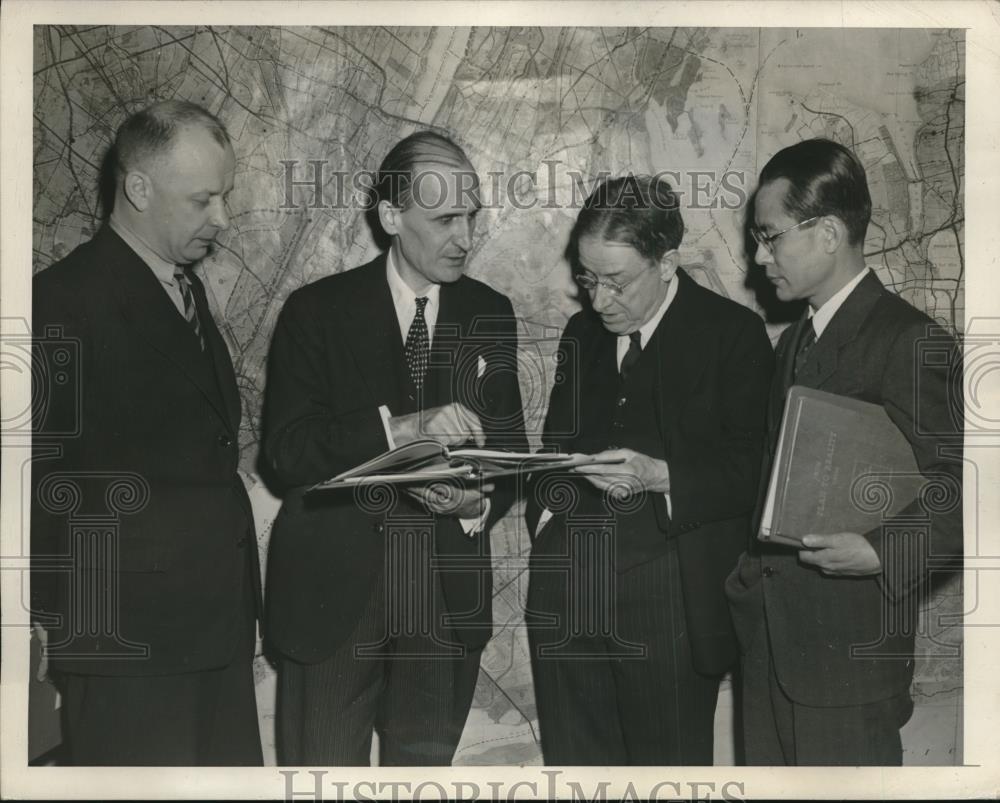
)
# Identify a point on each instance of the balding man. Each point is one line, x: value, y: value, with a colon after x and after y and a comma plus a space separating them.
x: 380, y: 604
x: 142, y: 533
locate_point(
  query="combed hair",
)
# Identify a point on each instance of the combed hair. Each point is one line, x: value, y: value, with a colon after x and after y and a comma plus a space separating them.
x: 826, y: 179
x: 149, y: 134
x: 394, y: 180
x: 639, y: 210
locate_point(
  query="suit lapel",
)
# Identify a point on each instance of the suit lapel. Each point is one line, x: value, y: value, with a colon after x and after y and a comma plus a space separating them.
x: 448, y: 362
x: 824, y: 357
x: 148, y: 309
x: 371, y: 327
x: 678, y: 359
x: 216, y: 346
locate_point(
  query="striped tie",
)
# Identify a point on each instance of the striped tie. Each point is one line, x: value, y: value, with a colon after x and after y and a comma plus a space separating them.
x: 190, y: 310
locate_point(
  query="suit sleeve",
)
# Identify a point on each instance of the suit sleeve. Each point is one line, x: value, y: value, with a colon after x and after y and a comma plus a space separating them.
x: 558, y: 417
x: 55, y: 416
x: 308, y: 438
x: 721, y: 483
x: 504, y: 418
x: 921, y: 381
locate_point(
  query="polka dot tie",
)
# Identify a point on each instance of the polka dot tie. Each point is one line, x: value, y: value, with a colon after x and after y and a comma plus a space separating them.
x: 417, y: 345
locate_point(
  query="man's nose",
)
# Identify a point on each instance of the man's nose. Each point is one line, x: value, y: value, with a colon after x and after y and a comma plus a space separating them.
x: 463, y: 234
x: 219, y: 217
x: 763, y: 255
x: 601, y: 298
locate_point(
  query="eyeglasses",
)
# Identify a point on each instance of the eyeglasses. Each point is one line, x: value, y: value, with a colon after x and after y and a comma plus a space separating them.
x: 590, y: 282
x: 767, y: 240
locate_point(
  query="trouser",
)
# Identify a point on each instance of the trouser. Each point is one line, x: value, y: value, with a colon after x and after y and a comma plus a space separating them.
x: 781, y: 732
x: 206, y: 718
x: 611, y: 659
x: 414, y: 688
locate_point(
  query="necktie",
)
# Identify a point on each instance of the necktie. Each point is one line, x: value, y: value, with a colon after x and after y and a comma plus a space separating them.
x: 632, y: 355
x: 417, y: 345
x: 190, y: 310
x: 806, y: 343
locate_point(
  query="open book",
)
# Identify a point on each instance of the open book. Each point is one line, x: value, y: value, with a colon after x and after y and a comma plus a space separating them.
x: 427, y: 460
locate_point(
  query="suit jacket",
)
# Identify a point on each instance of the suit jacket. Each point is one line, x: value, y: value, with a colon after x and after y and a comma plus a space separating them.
x: 134, y: 471
x: 841, y: 641
x: 336, y: 357
x: 714, y: 364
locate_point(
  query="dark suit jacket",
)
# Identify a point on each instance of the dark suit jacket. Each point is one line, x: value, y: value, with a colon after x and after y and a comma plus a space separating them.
x: 873, y: 349
x: 139, y: 442
x: 336, y: 357
x: 715, y: 364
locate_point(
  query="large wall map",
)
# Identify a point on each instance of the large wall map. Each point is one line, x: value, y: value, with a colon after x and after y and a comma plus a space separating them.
x: 542, y: 112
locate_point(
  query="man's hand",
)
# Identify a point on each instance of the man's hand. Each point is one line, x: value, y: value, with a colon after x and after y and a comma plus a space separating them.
x: 449, y: 500
x: 847, y: 554
x: 450, y: 425
x: 638, y: 473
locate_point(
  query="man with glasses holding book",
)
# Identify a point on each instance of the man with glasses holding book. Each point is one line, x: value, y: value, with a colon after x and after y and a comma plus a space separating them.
x: 628, y: 624
x: 827, y: 629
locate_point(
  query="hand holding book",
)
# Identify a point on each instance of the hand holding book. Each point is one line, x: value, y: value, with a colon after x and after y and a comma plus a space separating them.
x: 847, y: 554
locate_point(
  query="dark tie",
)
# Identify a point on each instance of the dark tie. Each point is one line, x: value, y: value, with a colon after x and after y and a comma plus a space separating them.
x: 806, y: 342
x: 190, y: 310
x: 632, y: 355
x: 417, y: 345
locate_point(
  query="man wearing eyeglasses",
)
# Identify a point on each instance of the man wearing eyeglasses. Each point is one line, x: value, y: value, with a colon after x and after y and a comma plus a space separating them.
x: 627, y: 616
x: 828, y: 630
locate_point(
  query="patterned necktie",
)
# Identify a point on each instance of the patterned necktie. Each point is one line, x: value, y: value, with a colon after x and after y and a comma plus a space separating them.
x: 417, y: 345
x: 806, y: 343
x: 632, y: 355
x: 190, y: 310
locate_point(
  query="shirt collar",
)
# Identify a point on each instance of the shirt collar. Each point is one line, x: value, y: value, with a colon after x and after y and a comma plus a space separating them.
x: 821, y: 318
x: 647, y: 329
x: 402, y: 296
x: 162, y: 269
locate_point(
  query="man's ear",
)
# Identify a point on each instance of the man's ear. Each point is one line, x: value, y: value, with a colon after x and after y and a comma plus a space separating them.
x: 669, y: 263
x: 388, y: 216
x: 834, y: 233
x: 138, y: 189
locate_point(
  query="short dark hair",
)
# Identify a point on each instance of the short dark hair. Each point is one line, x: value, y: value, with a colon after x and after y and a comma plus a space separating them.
x: 151, y: 132
x: 394, y: 180
x: 825, y: 178
x: 642, y: 211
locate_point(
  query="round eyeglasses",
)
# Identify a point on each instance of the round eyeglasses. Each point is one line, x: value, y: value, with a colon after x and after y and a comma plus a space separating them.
x: 590, y: 282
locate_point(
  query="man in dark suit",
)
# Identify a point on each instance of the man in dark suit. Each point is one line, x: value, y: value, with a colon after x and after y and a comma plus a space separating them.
x: 627, y: 618
x: 146, y: 573
x: 380, y: 602
x: 828, y: 630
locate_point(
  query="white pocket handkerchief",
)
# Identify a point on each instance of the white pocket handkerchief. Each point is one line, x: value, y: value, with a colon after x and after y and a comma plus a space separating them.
x: 480, y: 367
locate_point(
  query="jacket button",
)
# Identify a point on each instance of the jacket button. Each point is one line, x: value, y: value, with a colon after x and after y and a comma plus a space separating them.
x: 622, y: 401
x: 379, y: 528
x: 768, y: 571
x: 225, y: 441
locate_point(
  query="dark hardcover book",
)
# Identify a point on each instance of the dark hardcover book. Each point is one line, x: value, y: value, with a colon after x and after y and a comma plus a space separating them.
x: 841, y: 465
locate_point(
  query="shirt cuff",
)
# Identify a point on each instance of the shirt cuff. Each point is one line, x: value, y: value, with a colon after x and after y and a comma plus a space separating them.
x: 473, y: 526
x: 383, y: 411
